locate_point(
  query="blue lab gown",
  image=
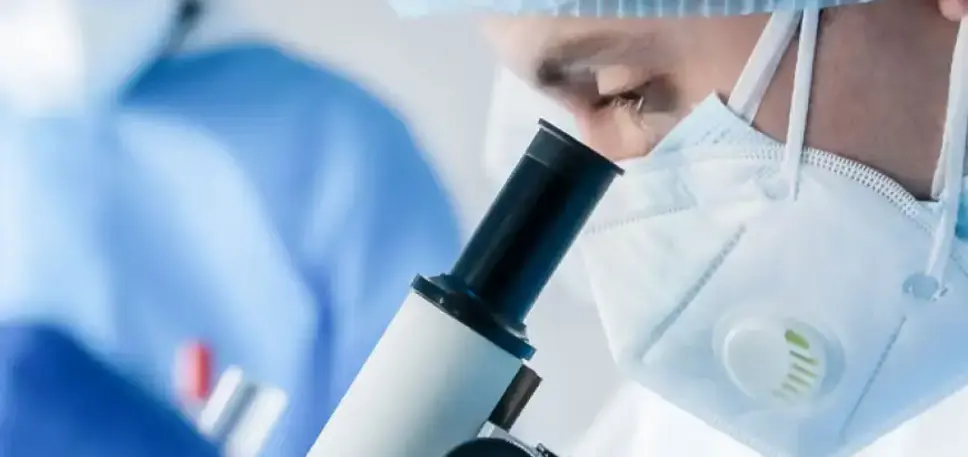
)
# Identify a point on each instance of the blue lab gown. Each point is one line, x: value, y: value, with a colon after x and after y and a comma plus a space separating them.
x: 240, y: 196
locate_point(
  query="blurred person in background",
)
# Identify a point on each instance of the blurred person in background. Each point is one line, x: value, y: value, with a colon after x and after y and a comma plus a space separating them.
x: 737, y: 255
x: 166, y: 176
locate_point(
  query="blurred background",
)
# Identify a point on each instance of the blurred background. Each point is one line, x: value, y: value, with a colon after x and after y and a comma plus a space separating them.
x: 471, y: 119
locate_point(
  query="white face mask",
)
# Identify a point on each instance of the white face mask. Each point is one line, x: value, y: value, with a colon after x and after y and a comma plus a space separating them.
x: 59, y: 55
x: 802, y: 303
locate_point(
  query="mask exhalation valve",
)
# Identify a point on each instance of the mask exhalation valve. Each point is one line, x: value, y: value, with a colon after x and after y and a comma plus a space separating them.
x: 781, y: 363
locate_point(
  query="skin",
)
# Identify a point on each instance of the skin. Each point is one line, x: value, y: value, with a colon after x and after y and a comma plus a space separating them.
x: 954, y: 9
x: 879, y: 89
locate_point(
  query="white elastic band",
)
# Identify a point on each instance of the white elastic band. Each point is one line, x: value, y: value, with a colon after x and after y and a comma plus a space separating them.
x: 760, y: 70
x: 802, y: 83
x: 951, y: 162
x: 938, y: 181
x: 762, y: 64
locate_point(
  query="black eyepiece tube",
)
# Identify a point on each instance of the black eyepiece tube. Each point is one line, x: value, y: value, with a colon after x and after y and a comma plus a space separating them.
x: 533, y: 222
x: 522, y: 238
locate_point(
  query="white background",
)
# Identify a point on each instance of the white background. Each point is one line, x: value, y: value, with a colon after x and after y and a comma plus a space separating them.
x: 440, y: 74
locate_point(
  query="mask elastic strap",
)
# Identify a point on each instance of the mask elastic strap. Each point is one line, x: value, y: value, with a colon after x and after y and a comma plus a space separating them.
x: 761, y: 67
x: 950, y: 168
x: 802, y: 83
x: 760, y: 70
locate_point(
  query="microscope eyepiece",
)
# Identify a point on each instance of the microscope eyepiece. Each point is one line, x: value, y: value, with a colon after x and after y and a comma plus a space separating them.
x: 523, y: 237
x: 564, y: 154
x: 533, y: 222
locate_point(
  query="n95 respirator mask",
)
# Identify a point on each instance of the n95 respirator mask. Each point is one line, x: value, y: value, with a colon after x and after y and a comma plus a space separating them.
x: 800, y: 302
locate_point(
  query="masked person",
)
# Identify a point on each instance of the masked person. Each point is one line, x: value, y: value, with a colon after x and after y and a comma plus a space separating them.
x: 783, y: 265
x: 166, y: 178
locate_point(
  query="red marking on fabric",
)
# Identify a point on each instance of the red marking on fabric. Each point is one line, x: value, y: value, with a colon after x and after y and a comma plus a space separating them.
x: 195, y: 372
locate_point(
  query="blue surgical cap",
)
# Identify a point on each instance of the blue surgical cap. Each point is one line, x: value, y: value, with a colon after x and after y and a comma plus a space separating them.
x: 610, y: 8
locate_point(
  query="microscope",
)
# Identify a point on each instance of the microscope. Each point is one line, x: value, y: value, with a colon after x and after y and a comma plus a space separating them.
x: 449, y: 376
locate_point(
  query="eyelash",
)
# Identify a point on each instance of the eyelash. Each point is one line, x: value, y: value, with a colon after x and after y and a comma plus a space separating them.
x: 631, y: 101
x: 655, y: 96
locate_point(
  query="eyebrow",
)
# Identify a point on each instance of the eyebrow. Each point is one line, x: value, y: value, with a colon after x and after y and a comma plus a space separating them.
x: 556, y: 68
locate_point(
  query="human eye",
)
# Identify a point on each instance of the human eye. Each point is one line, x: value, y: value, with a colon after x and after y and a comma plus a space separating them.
x: 631, y: 102
x: 653, y: 96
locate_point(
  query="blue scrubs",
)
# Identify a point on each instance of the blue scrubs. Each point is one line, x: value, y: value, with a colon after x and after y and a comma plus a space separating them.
x: 268, y: 206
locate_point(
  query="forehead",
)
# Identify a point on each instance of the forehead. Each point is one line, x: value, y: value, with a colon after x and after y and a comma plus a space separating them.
x: 529, y: 44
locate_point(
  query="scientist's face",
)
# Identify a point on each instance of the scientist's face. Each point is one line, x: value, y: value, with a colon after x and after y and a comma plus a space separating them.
x: 879, y: 88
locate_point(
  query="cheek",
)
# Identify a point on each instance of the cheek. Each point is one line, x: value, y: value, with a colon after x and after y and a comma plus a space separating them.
x: 617, y: 136
x: 704, y: 74
x: 711, y: 54
x: 603, y: 134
